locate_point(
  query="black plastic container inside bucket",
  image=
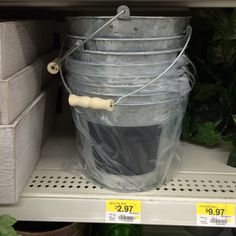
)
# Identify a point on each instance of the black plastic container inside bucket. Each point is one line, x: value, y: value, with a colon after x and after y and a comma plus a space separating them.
x: 125, y: 150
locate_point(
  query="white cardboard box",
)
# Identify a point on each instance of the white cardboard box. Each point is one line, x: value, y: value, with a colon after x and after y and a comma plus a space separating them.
x: 18, y: 91
x: 21, y: 42
x: 18, y: 45
x: 20, y: 145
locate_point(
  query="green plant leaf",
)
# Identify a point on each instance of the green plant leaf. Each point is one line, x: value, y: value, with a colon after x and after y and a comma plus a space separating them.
x: 234, y: 119
x: 205, y: 91
x: 212, y: 103
x: 207, y: 134
x: 234, y: 142
x: 218, y: 122
x: 204, y: 71
x: 6, y: 220
x: 186, y: 132
x: 228, y: 49
x: 224, y: 25
x: 215, y: 54
x: 226, y: 106
x: 232, y: 158
x: 6, y: 223
x: 229, y: 141
x: 227, y: 145
x: 8, y: 232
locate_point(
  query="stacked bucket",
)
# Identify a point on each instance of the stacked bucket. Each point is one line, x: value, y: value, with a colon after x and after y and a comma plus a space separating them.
x: 134, y: 147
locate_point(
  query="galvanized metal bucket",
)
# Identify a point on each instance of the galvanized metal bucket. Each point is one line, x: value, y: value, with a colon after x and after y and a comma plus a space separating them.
x: 134, y: 27
x: 120, y: 81
x: 164, y: 89
x: 143, y: 110
x: 165, y: 86
x: 165, y: 144
x: 124, y: 58
x: 148, y: 89
x: 129, y: 44
x: 115, y: 72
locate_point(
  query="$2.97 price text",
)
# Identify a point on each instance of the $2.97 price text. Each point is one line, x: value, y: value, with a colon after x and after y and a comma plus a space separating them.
x: 125, y: 208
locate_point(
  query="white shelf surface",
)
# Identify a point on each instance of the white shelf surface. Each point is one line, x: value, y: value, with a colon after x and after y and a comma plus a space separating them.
x: 55, y: 194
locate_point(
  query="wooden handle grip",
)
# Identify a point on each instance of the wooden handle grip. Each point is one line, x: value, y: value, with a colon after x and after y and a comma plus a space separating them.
x: 94, y: 103
x: 53, y: 66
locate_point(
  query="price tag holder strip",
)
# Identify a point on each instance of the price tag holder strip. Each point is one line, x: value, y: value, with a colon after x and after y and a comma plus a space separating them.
x: 215, y: 214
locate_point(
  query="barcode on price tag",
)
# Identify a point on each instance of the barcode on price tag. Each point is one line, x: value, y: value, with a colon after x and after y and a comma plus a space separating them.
x: 215, y: 214
x: 123, y: 211
x: 127, y: 218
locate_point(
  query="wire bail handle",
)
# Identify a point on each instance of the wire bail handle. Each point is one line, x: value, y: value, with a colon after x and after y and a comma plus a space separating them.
x: 54, y: 67
x: 188, y: 35
x: 123, y: 13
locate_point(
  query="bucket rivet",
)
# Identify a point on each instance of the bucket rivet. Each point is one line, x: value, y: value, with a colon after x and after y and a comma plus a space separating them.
x: 126, y: 14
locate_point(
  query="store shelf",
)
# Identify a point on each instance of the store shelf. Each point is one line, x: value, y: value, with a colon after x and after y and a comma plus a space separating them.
x: 106, y: 3
x: 55, y: 194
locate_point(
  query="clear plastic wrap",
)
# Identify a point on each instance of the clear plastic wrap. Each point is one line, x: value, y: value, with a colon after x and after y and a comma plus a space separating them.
x: 128, y: 158
x: 136, y: 146
x: 125, y: 75
x: 162, y: 85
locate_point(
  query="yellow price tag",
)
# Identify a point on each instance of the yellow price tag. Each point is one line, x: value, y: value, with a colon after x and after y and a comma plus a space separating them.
x: 123, y: 206
x: 119, y: 210
x: 215, y: 214
x: 215, y: 209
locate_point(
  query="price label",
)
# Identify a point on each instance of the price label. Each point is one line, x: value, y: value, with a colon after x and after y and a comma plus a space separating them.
x: 216, y: 214
x: 123, y: 211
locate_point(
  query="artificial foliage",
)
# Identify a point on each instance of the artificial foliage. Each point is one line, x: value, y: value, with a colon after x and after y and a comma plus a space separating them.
x: 6, y: 226
x: 211, y: 115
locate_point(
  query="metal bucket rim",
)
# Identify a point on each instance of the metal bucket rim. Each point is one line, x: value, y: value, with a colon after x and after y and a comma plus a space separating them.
x: 106, y: 53
x: 116, y: 65
x: 136, y: 95
x: 100, y: 77
x: 128, y: 39
x: 111, y: 86
x: 115, y: 87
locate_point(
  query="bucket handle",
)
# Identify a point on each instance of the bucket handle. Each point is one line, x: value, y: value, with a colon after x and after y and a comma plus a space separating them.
x: 188, y: 34
x: 123, y: 12
x: 54, y: 67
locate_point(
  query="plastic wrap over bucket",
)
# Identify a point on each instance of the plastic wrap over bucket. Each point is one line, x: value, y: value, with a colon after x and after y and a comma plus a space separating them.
x: 135, y: 157
x: 167, y: 88
x: 114, y: 72
x: 133, y: 147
